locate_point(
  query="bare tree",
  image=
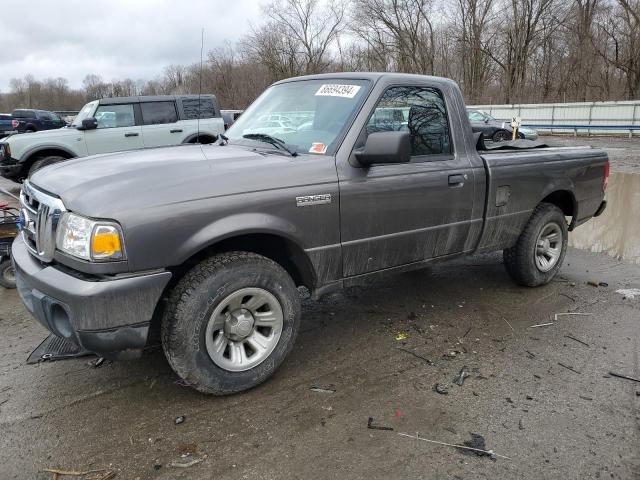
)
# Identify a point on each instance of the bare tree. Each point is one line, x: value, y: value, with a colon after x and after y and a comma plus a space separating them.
x: 401, y: 31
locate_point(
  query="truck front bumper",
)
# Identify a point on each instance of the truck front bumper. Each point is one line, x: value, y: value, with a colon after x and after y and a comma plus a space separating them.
x: 109, y: 317
x: 10, y: 170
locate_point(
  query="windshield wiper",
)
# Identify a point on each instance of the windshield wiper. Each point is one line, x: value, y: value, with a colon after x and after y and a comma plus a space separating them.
x: 276, y: 142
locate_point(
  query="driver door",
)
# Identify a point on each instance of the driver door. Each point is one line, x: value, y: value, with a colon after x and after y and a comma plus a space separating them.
x: 398, y: 214
x: 117, y: 130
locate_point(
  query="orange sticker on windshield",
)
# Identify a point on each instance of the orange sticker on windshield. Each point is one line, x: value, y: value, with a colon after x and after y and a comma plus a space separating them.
x: 318, y: 148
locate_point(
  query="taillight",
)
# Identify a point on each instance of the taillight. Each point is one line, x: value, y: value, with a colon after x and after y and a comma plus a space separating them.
x: 15, y: 123
x: 605, y: 182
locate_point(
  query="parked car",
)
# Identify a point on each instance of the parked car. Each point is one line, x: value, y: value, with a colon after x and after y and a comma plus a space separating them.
x: 26, y: 120
x: 6, y: 125
x: 209, y: 244
x: 230, y: 116
x: 113, y: 125
x: 497, y: 130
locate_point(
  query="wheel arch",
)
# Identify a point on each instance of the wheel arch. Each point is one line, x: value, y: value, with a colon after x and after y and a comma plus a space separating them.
x: 565, y: 200
x: 45, y: 151
x: 194, y: 137
x: 270, y: 241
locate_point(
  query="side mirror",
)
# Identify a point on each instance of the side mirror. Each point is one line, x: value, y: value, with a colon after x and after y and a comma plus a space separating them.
x: 385, y: 147
x: 486, y: 120
x: 90, y: 123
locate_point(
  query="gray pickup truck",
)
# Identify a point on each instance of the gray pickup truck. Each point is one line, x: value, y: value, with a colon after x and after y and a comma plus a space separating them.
x: 324, y: 182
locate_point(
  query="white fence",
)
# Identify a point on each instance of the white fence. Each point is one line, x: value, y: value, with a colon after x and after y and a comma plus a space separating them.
x: 590, y: 117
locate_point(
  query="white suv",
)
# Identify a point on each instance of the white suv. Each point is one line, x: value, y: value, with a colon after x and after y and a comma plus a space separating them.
x: 113, y: 125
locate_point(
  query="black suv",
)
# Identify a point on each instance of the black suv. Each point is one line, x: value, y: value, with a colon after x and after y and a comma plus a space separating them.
x: 28, y: 120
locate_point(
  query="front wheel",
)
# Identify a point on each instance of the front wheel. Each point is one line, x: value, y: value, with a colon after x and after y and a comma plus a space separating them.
x: 540, y: 250
x: 230, y: 322
x: 7, y: 274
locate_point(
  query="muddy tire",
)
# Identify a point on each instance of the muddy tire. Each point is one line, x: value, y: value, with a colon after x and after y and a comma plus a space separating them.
x: 44, y: 162
x: 230, y: 322
x: 540, y: 250
x: 7, y: 275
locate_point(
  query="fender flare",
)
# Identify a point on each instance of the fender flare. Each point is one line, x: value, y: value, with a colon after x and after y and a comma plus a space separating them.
x: 193, y: 136
x: 243, y: 224
x: 27, y: 154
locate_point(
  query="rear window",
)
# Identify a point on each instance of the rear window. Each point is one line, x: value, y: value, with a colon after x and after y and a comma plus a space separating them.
x: 206, y: 106
x: 24, y: 114
x: 154, y: 113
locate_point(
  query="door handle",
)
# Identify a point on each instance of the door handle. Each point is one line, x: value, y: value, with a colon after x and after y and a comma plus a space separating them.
x: 175, y: 130
x: 131, y: 134
x: 457, y: 180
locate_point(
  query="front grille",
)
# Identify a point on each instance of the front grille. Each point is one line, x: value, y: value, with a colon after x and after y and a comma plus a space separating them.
x: 41, y: 213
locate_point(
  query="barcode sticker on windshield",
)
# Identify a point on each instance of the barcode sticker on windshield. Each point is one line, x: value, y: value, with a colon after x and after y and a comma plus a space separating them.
x: 335, y: 90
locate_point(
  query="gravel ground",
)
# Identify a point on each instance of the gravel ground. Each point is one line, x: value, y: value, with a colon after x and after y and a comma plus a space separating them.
x: 541, y: 396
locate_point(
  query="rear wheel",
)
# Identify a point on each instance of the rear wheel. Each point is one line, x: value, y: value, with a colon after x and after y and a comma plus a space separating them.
x: 44, y: 162
x: 501, y: 136
x: 540, y: 250
x: 230, y: 322
x: 7, y: 274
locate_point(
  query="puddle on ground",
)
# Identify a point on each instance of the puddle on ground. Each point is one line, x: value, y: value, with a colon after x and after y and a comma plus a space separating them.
x: 617, y: 231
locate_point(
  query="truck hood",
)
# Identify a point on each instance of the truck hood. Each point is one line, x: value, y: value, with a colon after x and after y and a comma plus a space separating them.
x: 42, y: 135
x: 107, y: 186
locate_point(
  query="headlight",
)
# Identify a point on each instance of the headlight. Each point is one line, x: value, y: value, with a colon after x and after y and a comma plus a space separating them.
x: 88, y: 239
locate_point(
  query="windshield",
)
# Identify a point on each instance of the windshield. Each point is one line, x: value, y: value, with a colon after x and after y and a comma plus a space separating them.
x: 84, y: 113
x: 308, y: 115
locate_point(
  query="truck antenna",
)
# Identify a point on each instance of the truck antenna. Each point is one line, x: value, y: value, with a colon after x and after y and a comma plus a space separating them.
x: 200, y: 79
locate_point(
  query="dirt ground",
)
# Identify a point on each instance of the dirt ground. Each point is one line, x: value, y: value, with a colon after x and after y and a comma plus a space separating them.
x: 541, y: 396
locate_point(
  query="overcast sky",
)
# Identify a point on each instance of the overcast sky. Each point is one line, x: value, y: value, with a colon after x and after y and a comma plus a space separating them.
x: 114, y: 38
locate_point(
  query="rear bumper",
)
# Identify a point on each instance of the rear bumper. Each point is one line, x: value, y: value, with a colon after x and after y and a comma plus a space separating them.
x: 601, y: 209
x: 108, y: 317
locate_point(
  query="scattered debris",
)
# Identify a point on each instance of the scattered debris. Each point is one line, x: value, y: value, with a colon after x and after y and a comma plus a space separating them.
x: 399, y: 413
x: 619, y: 375
x: 157, y: 466
x: 541, y: 325
x: 371, y: 426
x: 603, y: 284
x: 467, y: 332
x: 441, y: 389
x: 328, y: 388
x: 189, y: 463
x: 412, y: 316
x: 416, y: 355
x: 529, y: 397
x: 577, y: 340
x: 97, y: 363
x: 475, y: 394
x: 555, y: 317
x: 520, y: 425
x: 509, y: 399
x: 629, y: 293
x: 585, y: 397
x: 592, y: 283
x: 469, y: 445
x: 531, y: 355
x: 401, y: 336
x: 71, y: 473
x: 180, y: 419
x: 571, y: 368
x: 568, y: 296
x: 459, y: 379
x: 180, y: 382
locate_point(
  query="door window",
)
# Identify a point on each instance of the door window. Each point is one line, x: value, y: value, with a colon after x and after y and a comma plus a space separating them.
x: 113, y: 116
x: 422, y: 112
x: 155, y: 113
